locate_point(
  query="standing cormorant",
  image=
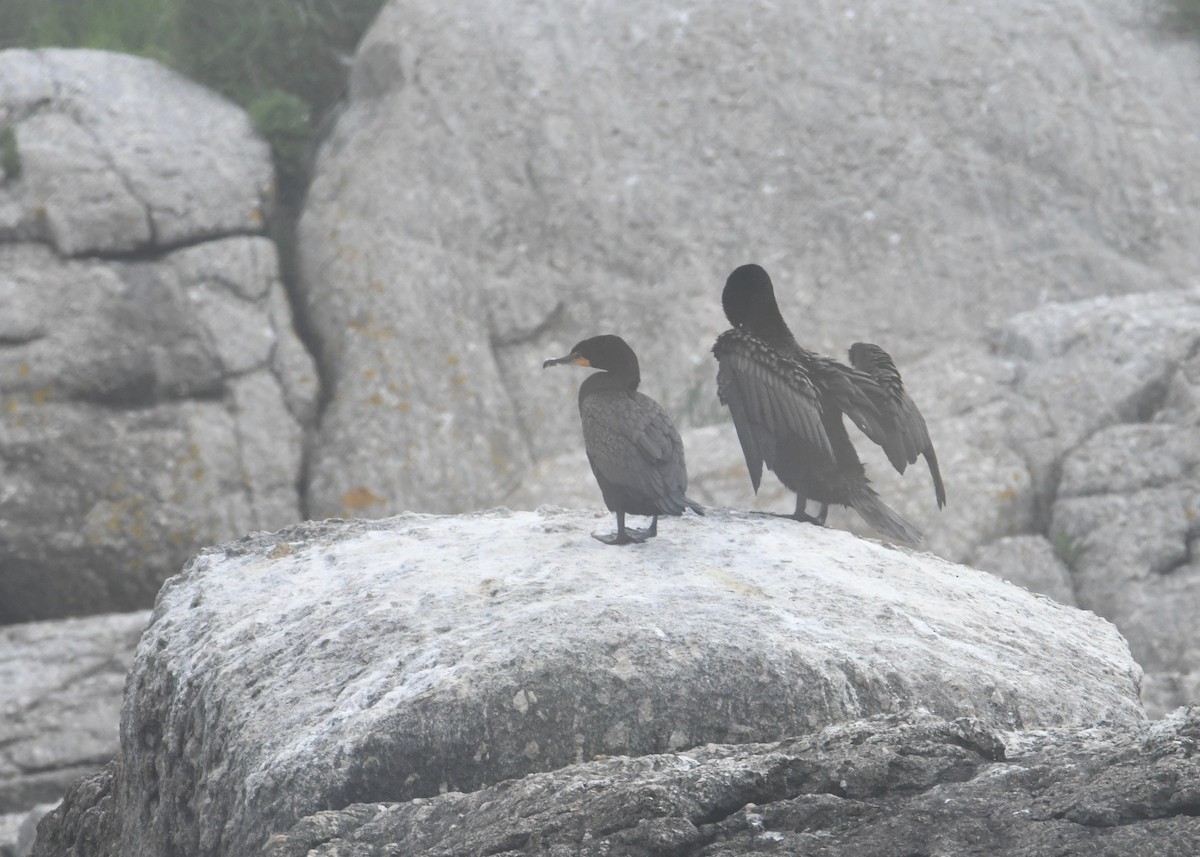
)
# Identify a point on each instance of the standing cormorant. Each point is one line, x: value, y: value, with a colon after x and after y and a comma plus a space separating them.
x: 634, y: 450
x: 787, y: 405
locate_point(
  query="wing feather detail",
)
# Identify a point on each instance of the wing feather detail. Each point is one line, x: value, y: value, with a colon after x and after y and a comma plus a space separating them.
x: 770, y: 397
x: 901, y: 431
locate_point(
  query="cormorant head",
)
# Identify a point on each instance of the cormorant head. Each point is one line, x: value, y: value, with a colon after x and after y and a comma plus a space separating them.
x: 607, y: 352
x: 749, y: 298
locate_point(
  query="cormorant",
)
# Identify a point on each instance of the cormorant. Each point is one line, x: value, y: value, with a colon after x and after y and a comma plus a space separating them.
x: 635, y: 451
x: 787, y: 405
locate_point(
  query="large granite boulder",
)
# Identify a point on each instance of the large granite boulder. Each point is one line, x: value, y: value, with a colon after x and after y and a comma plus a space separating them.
x: 153, y: 390
x: 508, y: 179
x: 370, y: 661
x: 1069, y: 444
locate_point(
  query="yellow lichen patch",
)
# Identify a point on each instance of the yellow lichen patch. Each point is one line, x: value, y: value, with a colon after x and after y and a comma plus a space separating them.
x: 1007, y: 494
x: 113, y: 521
x: 256, y: 217
x: 198, y: 472
x: 371, y: 331
x: 375, y: 399
x: 40, y: 396
x: 361, y: 498
x: 733, y: 583
x: 23, y: 370
x: 281, y: 550
x: 452, y: 360
x: 369, y: 374
x: 403, y: 407
x: 375, y: 286
x: 11, y: 405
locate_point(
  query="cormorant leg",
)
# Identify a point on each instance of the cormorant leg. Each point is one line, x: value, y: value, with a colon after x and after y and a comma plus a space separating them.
x: 804, y: 517
x: 650, y: 531
x: 622, y: 536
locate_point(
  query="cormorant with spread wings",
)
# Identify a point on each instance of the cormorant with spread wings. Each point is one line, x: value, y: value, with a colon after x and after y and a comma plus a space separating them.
x: 787, y: 404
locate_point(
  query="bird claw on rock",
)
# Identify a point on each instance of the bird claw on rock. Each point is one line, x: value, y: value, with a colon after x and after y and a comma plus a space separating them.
x: 629, y: 537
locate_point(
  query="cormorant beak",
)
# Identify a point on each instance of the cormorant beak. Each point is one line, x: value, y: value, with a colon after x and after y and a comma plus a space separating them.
x: 570, y: 358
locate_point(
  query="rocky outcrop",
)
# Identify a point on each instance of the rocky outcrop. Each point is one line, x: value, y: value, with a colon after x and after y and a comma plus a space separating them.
x: 1070, y: 448
x: 370, y: 661
x: 875, y: 788
x: 153, y: 389
x: 507, y: 180
x: 61, y: 701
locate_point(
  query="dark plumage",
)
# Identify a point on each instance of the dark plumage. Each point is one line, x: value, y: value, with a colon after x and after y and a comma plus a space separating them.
x: 635, y: 452
x: 787, y: 405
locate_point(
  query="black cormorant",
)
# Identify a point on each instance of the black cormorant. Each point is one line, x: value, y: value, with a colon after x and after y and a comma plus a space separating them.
x: 634, y: 450
x: 787, y: 405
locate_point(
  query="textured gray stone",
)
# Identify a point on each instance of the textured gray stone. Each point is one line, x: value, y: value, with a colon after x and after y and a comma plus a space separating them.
x: 84, y: 822
x: 62, y: 684
x: 1128, y: 516
x: 877, y: 788
x: 147, y: 411
x: 153, y: 392
x: 119, y: 153
x: 913, y: 177
x: 1028, y: 561
x: 360, y: 661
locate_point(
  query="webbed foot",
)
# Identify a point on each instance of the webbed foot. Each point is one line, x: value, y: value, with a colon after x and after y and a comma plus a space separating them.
x: 621, y: 537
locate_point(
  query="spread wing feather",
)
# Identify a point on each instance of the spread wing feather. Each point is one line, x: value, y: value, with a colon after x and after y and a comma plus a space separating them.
x: 769, y: 396
x: 901, y: 430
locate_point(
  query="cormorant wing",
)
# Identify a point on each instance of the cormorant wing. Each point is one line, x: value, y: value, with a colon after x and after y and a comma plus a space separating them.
x: 768, y: 395
x: 902, y: 432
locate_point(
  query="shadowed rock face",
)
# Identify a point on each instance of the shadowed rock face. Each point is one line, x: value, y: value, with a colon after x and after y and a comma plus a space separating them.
x: 152, y: 390
x: 505, y: 179
x: 884, y: 787
x: 342, y: 662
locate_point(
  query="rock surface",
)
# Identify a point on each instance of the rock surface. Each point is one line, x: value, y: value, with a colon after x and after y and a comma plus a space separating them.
x: 357, y: 661
x: 62, y: 683
x: 1029, y: 561
x: 118, y: 153
x: 614, y: 163
x: 18, y: 831
x: 1070, y: 448
x: 875, y: 788
x: 152, y: 390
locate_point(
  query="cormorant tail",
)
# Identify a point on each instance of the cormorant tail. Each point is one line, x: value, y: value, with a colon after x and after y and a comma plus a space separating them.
x: 880, y: 516
x: 938, y: 488
x: 674, y: 504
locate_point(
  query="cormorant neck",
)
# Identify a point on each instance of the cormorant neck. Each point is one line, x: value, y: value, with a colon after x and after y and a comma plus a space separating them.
x: 770, y: 327
x: 599, y: 381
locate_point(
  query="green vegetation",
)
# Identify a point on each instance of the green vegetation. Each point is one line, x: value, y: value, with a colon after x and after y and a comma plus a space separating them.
x: 285, y: 61
x: 1069, y: 549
